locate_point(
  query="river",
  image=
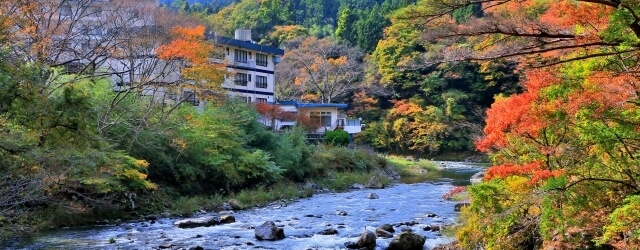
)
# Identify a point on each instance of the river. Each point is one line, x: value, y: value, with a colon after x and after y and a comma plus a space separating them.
x: 413, y: 200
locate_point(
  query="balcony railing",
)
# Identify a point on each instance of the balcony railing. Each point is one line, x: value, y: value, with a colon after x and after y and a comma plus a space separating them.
x: 241, y: 82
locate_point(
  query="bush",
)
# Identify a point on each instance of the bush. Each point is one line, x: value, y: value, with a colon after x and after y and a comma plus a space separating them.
x: 343, y: 159
x: 293, y: 154
x: 337, y: 138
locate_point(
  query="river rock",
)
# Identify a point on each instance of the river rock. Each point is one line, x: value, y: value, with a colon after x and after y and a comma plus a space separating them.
x: 357, y: 186
x: 309, y: 184
x: 269, y: 231
x: 407, y: 241
x: 235, y: 204
x: 374, y: 182
x: 477, y: 177
x: 383, y: 233
x: 197, y: 222
x: 367, y: 240
x: 351, y: 245
x: 449, y: 246
x: 329, y: 231
x: 406, y: 229
x: 226, y: 206
x: 458, y: 206
x: 387, y: 227
x: 372, y: 196
x: 341, y: 213
x: 226, y: 219
x: 166, y: 245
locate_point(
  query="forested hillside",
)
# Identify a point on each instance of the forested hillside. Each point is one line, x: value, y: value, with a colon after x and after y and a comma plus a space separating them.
x: 558, y: 81
x: 367, y: 54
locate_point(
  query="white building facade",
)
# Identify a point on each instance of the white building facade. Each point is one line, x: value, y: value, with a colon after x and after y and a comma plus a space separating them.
x: 251, y: 66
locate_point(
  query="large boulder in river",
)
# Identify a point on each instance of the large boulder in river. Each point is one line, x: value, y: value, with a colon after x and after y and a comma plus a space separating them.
x: 226, y: 219
x: 387, y: 227
x: 367, y: 240
x: 329, y: 231
x: 407, y: 241
x: 269, y: 231
x: 198, y: 222
x: 383, y: 233
x: 374, y: 182
x: 235, y: 204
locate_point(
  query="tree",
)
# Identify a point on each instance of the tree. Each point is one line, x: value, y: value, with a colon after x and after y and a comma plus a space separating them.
x: 565, y: 148
x: 321, y: 69
x: 280, y: 34
x: 236, y: 16
x: 51, y: 150
x: 345, y: 23
x: 200, y: 75
x: 270, y: 113
x: 524, y: 29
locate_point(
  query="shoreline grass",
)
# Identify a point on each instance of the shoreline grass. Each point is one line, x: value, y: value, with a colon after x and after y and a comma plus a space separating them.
x: 407, y: 167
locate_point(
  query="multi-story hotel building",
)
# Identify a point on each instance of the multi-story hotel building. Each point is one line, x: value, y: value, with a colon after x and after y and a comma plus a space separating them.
x: 119, y: 39
x: 251, y: 66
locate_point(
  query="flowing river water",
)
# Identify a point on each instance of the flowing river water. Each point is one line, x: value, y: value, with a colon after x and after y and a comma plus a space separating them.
x: 412, y: 203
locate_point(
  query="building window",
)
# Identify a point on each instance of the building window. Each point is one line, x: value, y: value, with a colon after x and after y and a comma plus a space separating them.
x: 261, y: 82
x: 261, y: 99
x: 323, y: 118
x: 242, y: 79
x: 261, y: 60
x: 190, y: 97
x: 244, y: 99
x: 241, y: 56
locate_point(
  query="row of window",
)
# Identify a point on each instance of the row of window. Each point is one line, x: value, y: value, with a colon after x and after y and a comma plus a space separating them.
x: 190, y: 97
x: 242, y: 56
x: 243, y: 79
x: 247, y: 99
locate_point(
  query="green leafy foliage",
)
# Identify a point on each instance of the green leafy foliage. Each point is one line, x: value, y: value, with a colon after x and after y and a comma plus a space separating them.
x: 293, y: 155
x: 337, y: 138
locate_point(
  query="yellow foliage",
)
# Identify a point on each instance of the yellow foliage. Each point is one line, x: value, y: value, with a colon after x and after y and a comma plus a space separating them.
x: 179, y: 143
x: 142, y: 163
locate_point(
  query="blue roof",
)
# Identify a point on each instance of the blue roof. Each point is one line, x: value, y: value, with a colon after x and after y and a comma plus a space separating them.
x: 244, y: 44
x: 313, y: 105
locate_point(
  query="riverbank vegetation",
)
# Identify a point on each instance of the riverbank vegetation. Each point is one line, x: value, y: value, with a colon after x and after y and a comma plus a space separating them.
x: 408, y: 167
x: 73, y: 152
x: 564, y: 150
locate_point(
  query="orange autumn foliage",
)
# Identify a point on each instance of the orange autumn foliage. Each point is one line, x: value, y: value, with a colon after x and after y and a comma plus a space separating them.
x: 533, y: 170
x: 188, y: 44
x: 519, y: 114
x: 272, y: 111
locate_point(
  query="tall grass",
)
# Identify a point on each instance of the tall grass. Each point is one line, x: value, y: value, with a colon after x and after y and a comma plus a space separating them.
x: 410, y: 167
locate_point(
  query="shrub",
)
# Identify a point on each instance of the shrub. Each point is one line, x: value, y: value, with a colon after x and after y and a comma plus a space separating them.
x: 344, y: 159
x: 337, y: 138
x: 292, y: 154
